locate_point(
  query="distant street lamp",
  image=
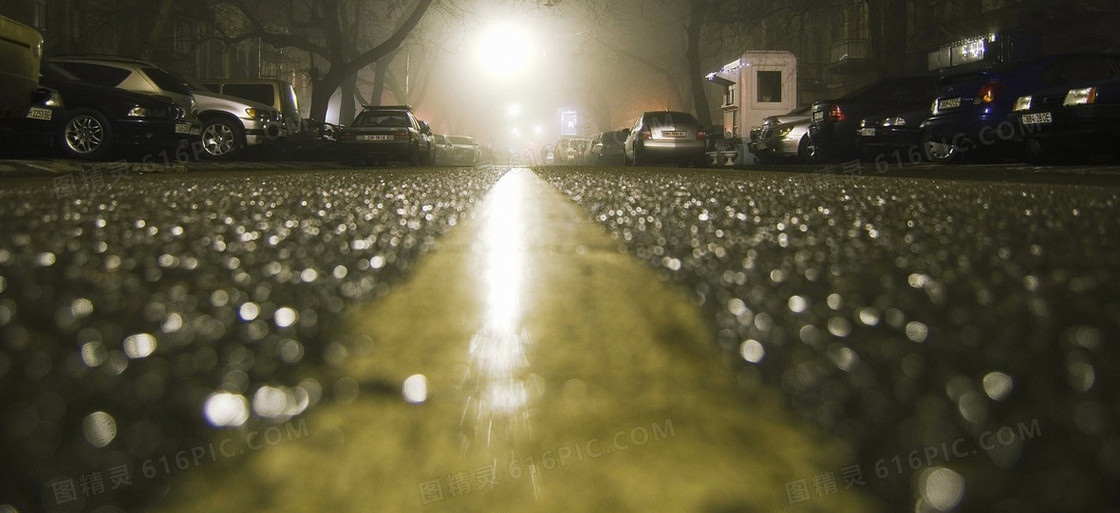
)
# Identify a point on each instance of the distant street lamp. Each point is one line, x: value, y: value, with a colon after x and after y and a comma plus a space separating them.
x: 505, y: 51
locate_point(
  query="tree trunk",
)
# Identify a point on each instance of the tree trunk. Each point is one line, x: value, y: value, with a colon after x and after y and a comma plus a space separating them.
x: 382, y: 69
x: 346, y: 107
x: 158, y: 28
x: 695, y: 72
x: 321, y: 93
x: 342, y: 69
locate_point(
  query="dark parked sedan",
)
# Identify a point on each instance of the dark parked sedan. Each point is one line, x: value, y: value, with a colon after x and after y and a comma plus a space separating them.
x: 1065, y: 122
x: 834, y: 130
x: 384, y: 133
x: 971, y: 114
x: 102, y: 121
x: 892, y: 139
x: 607, y: 148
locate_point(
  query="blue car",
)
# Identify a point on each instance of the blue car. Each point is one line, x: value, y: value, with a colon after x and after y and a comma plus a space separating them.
x: 972, y: 112
x: 1070, y: 121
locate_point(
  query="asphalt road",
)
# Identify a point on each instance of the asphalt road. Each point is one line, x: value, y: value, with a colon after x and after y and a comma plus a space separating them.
x: 284, y: 338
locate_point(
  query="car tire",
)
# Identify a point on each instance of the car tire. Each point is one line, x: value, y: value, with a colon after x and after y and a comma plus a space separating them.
x: 804, y: 149
x: 414, y: 156
x: 937, y: 152
x: 637, y: 160
x: 221, y: 138
x: 87, y: 134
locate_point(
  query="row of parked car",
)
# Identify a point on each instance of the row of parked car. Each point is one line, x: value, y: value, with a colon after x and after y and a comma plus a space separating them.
x: 1051, y: 109
x: 380, y: 134
x: 97, y: 107
x: 655, y: 137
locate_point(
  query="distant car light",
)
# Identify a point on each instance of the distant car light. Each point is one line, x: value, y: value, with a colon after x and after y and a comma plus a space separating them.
x: 138, y: 112
x: 895, y: 121
x: 1084, y: 96
x: 1023, y: 103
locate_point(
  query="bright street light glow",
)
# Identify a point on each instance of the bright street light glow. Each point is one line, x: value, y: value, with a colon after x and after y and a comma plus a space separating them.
x: 505, y: 51
x: 514, y: 109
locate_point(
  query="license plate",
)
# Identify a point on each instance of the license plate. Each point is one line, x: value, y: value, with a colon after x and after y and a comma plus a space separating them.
x: 818, y: 115
x: 949, y: 103
x: 39, y: 113
x: 673, y: 133
x: 182, y: 128
x: 1040, y: 118
x: 867, y: 132
x: 373, y: 138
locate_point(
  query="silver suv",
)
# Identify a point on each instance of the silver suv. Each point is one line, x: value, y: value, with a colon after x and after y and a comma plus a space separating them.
x: 278, y: 94
x: 228, y: 124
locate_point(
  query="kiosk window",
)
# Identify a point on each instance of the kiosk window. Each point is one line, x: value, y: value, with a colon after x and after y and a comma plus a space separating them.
x: 769, y: 86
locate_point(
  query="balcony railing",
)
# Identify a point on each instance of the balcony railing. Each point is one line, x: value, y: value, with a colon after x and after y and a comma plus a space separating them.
x: 850, y: 50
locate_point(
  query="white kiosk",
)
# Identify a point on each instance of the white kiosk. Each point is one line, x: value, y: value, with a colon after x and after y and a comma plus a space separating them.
x: 757, y: 84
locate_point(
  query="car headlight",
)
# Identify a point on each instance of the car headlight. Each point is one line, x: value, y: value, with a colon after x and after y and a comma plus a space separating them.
x: 1084, y: 96
x: 138, y: 112
x: 53, y: 99
x: 895, y: 121
x: 1023, y: 103
x: 785, y: 131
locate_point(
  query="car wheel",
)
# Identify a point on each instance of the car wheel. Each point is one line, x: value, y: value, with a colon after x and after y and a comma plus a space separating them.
x: 222, y: 138
x: 805, y: 149
x: 938, y: 151
x: 816, y: 154
x: 637, y: 160
x: 87, y: 135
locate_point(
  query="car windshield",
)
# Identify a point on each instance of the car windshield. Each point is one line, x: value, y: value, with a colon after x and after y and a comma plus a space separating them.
x: 674, y: 119
x: 390, y: 119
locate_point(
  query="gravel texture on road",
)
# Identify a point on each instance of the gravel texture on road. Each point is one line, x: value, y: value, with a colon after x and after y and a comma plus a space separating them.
x: 961, y: 334
x: 236, y: 278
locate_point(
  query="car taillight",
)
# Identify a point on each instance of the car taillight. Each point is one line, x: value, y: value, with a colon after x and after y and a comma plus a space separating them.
x: 401, y: 135
x: 836, y: 113
x: 988, y: 92
x: 701, y: 134
x: 346, y: 135
x: 647, y: 133
x: 1084, y: 96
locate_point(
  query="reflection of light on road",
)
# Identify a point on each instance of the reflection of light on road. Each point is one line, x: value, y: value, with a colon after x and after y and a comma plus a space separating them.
x: 497, y: 351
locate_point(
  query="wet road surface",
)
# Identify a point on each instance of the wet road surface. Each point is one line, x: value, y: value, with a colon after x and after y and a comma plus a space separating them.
x: 472, y: 339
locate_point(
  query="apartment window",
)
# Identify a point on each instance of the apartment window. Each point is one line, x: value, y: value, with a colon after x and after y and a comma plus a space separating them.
x: 769, y: 86
x: 39, y: 15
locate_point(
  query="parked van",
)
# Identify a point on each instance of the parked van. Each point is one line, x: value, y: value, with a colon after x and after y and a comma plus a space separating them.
x: 21, y: 47
x: 27, y: 111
